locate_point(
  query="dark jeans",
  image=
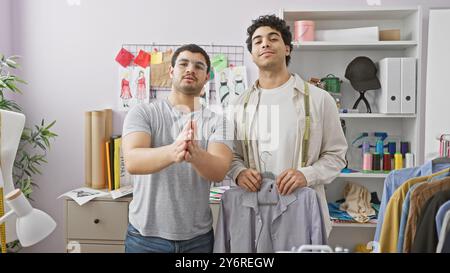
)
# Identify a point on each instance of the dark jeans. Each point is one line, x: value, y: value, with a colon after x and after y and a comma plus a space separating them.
x: 136, y: 243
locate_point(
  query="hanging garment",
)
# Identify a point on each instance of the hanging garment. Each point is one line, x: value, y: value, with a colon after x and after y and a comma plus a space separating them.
x: 418, y: 199
x: 440, y: 216
x: 426, y: 238
x: 395, y: 179
x: 446, y: 245
x: 357, y: 203
x: 391, y: 226
x: 266, y: 221
x: 405, y: 206
x: 444, y: 235
x: 404, y: 217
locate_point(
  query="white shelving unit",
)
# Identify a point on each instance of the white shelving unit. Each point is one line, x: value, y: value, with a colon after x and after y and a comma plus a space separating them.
x: 375, y: 115
x: 318, y: 59
x: 381, y: 45
x: 369, y: 225
x: 363, y: 175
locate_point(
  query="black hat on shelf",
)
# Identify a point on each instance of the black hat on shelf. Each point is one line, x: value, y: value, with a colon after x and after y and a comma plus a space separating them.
x: 362, y: 74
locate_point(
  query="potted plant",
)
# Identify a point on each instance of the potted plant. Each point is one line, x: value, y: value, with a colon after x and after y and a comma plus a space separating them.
x: 34, y: 142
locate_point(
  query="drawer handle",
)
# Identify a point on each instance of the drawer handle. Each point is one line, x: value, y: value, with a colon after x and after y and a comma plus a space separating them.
x: 96, y: 221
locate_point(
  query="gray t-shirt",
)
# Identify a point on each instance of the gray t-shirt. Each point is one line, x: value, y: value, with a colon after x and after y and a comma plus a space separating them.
x: 174, y: 202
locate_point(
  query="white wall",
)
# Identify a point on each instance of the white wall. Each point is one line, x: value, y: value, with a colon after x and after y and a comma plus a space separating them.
x: 437, y: 118
x: 68, y: 60
x: 5, y: 27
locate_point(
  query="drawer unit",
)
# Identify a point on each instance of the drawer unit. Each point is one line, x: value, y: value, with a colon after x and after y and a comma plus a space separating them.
x: 100, y: 225
x: 97, y: 226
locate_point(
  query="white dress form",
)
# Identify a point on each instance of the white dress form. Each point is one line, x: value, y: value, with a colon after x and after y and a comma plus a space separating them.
x: 11, y: 127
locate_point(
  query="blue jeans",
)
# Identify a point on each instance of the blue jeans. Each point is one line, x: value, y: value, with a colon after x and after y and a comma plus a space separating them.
x: 136, y: 243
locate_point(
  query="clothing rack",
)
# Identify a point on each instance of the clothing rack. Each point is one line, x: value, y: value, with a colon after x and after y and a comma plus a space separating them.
x: 234, y: 54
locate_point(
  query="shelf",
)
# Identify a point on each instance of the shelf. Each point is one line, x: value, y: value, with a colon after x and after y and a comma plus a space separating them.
x: 373, y: 13
x: 375, y: 115
x: 354, y: 225
x: 380, y: 45
x: 363, y: 175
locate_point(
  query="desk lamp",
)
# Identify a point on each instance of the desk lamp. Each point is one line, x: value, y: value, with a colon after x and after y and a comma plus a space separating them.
x: 32, y: 225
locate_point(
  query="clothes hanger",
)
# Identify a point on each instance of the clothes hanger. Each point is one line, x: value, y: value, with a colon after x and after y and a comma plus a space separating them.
x: 270, y: 196
x: 441, y: 160
x: 266, y: 174
x: 445, y: 172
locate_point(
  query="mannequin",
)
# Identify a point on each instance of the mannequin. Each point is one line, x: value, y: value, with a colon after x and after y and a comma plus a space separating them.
x: 11, y: 127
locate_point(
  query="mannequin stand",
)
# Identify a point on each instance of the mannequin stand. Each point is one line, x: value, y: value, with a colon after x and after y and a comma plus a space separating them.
x: 362, y: 98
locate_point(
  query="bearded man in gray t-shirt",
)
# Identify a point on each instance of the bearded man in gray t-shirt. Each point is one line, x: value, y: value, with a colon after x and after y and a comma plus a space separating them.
x: 174, y: 148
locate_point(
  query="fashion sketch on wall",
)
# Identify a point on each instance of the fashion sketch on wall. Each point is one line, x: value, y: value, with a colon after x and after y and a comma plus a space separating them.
x: 204, y: 95
x: 134, y: 84
x: 230, y: 82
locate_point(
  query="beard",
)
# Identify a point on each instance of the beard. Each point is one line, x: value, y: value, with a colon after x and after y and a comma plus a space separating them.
x: 188, y: 89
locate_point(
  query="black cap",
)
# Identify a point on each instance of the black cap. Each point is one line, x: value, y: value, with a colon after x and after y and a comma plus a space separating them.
x: 362, y: 74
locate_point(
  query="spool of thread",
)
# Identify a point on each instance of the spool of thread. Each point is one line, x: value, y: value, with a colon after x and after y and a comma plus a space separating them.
x: 387, y: 162
x: 367, y: 162
x: 398, y: 161
x: 404, y: 148
x: 409, y: 160
x: 380, y: 147
x: 376, y: 162
x: 365, y: 147
x: 392, y: 148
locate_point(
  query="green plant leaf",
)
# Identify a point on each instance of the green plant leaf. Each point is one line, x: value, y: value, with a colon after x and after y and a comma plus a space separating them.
x: 34, y: 141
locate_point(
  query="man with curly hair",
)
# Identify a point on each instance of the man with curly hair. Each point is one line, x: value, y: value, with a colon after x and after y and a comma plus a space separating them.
x: 287, y: 127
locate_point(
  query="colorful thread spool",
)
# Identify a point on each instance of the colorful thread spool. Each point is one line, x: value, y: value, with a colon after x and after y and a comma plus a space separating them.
x: 398, y: 161
x: 409, y: 160
x: 392, y: 148
x: 367, y: 162
x: 376, y: 162
x: 387, y: 162
x: 404, y: 148
x: 379, y: 147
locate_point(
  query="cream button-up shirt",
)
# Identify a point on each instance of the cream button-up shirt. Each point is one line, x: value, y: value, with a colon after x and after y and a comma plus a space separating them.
x: 327, y: 144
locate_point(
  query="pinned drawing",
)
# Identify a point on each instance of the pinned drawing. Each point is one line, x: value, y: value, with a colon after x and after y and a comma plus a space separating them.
x: 239, y: 77
x: 230, y: 82
x: 141, y: 92
x: 134, y: 83
x: 125, y: 90
x: 222, y: 89
x: 204, y: 95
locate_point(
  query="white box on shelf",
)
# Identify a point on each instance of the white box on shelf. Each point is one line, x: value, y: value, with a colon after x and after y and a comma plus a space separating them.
x: 408, y: 85
x: 387, y: 98
x: 363, y: 34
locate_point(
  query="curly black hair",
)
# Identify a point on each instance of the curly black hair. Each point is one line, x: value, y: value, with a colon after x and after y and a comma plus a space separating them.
x: 275, y: 23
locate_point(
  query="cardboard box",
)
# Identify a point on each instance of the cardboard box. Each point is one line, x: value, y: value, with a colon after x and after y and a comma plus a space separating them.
x: 390, y: 35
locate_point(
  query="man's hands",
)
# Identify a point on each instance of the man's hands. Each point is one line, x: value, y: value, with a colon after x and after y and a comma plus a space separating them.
x: 287, y: 182
x: 185, y: 147
x: 290, y: 180
x: 249, y: 180
x: 179, y: 146
x: 193, y: 149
